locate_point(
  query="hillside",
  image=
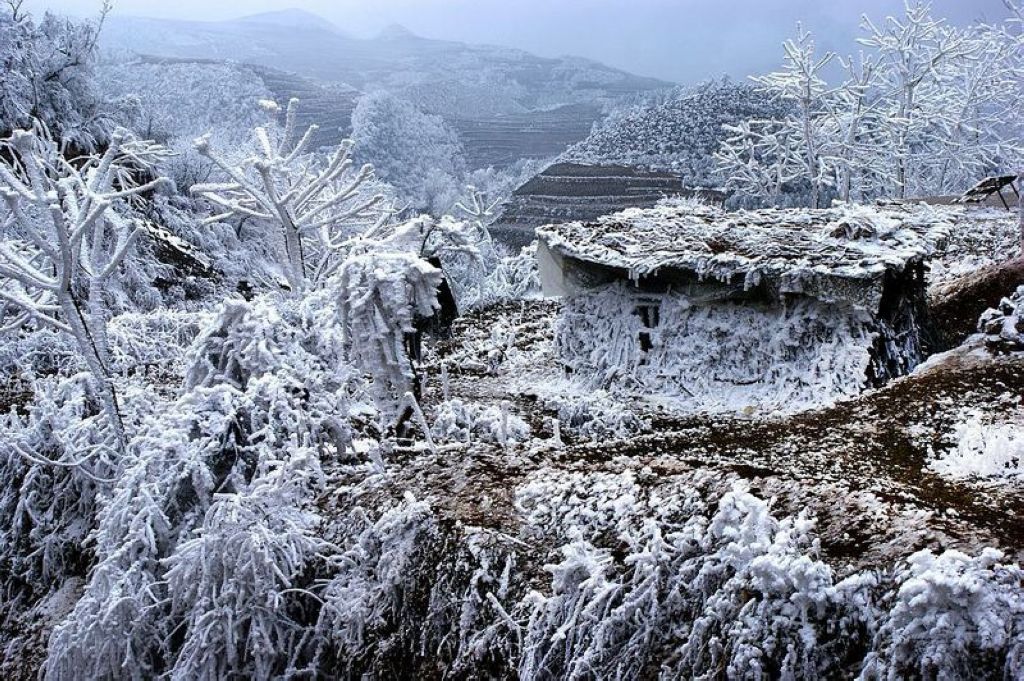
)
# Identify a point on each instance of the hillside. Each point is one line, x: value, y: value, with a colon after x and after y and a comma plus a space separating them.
x: 433, y: 73
x: 565, y: 192
x: 677, y: 132
x: 506, y: 104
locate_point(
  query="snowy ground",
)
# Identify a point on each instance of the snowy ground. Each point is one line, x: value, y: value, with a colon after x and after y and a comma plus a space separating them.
x: 861, y: 465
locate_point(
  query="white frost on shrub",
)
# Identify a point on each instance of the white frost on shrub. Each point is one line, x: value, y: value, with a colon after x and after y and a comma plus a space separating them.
x: 951, y: 613
x: 986, y: 450
x: 459, y: 421
x: 597, y: 416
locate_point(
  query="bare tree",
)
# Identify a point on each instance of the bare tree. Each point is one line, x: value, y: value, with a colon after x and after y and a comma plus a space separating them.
x: 302, y: 198
x: 65, y: 237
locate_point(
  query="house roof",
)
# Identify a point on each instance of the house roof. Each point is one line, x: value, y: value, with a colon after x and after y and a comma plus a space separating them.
x: 831, y: 254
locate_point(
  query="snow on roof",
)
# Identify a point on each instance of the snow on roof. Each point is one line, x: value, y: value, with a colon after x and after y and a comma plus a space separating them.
x: 799, y: 250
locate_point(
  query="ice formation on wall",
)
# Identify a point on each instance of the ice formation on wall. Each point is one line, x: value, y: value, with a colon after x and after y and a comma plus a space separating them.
x: 722, y: 356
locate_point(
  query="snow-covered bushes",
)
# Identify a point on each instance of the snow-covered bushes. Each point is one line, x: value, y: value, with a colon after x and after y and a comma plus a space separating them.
x: 39, y: 353
x: 678, y: 131
x: 55, y: 468
x: 986, y: 450
x: 155, y: 339
x: 459, y: 421
x: 379, y: 298
x: 416, y: 152
x: 311, y: 205
x: 928, y: 109
x: 953, y: 616
x: 511, y: 277
x: 57, y: 271
x: 47, y: 76
x: 236, y: 584
x: 598, y: 416
x: 739, y: 592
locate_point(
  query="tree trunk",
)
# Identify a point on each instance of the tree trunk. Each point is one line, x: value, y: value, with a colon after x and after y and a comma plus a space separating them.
x: 97, y: 367
x: 296, y: 268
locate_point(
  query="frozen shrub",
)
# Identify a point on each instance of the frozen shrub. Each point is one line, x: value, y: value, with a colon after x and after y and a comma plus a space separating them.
x: 512, y: 277
x: 953, y: 616
x: 596, y: 416
x: 458, y: 421
x: 154, y: 338
x: 990, y: 450
x: 740, y: 593
x: 380, y: 296
x: 1003, y: 326
x: 40, y: 352
x: 54, y: 469
x: 235, y: 584
x: 239, y: 446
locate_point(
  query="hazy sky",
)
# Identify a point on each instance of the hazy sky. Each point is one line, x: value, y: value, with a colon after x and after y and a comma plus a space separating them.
x: 679, y: 40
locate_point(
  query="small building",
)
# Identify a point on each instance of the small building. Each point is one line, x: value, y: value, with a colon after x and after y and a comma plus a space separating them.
x: 752, y: 310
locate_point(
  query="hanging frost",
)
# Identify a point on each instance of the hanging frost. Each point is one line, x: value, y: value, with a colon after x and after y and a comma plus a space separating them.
x: 379, y: 298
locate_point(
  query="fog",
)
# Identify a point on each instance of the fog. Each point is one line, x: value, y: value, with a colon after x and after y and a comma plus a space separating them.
x: 678, y: 40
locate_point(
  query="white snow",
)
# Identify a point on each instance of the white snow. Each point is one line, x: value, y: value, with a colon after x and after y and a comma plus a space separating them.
x: 983, y: 450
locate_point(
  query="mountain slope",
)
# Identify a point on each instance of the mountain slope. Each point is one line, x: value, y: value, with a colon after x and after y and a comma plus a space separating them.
x: 434, y: 72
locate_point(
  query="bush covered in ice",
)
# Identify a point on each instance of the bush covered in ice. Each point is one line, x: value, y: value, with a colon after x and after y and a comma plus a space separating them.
x: 597, y: 416
x: 985, y: 450
x: 459, y: 421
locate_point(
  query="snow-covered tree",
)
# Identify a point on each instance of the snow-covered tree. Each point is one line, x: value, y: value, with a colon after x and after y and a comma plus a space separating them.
x: 911, y: 51
x: 927, y: 108
x: 760, y: 158
x: 304, y: 199
x: 47, y: 75
x: 800, y: 82
x: 65, y: 237
x: 417, y: 153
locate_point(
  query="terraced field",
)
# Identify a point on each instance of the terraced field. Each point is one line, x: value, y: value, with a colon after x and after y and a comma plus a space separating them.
x: 568, y: 191
x: 501, y: 140
x: 328, y: 105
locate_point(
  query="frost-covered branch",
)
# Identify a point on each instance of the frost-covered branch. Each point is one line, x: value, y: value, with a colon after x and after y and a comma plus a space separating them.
x: 66, y: 237
x: 310, y: 203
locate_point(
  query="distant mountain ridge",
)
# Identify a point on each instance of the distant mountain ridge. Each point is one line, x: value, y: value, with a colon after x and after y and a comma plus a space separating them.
x: 296, y: 18
x: 444, y: 77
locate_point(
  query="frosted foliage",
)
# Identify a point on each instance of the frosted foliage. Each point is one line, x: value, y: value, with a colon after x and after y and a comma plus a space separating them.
x: 597, y: 416
x: 739, y: 592
x: 309, y: 203
x: 416, y: 152
x: 154, y: 339
x: 512, y: 277
x: 987, y: 450
x: 66, y: 236
x: 232, y: 584
x: 574, y: 504
x: 678, y: 131
x: 181, y: 101
x: 952, y: 613
x: 259, y: 409
x: 47, y: 509
x: 380, y: 296
x: 927, y: 109
x: 366, y: 593
x: 458, y: 421
x: 48, y: 66
x: 718, y: 356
